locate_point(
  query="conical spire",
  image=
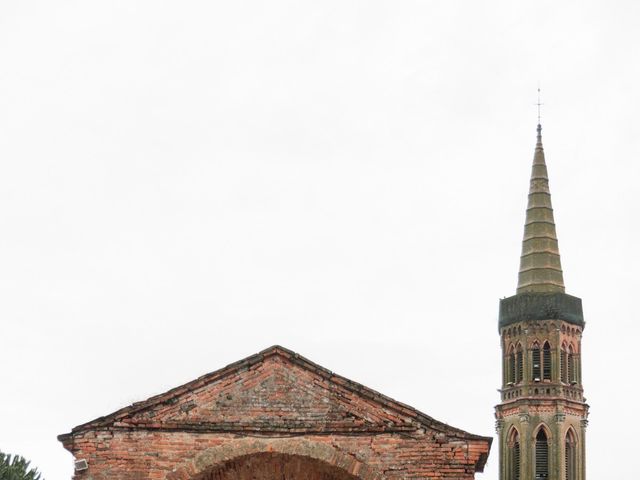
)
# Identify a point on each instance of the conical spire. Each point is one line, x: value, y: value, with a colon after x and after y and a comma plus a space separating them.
x: 540, y: 269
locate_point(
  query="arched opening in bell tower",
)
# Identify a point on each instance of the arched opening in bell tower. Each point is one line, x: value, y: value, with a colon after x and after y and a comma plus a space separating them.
x: 511, y: 366
x: 546, y: 361
x: 513, y: 455
x: 542, y: 455
x: 572, y: 366
x: 519, y: 367
x: 536, y: 362
x: 570, y: 455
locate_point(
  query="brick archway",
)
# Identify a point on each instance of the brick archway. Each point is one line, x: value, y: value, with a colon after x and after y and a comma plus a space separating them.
x: 275, y: 466
x: 236, y: 458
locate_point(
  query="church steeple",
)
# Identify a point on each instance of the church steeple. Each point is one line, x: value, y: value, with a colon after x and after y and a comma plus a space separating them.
x: 540, y: 269
x: 542, y: 415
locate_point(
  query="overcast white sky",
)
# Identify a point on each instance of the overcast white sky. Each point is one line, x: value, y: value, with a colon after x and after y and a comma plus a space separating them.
x: 186, y: 183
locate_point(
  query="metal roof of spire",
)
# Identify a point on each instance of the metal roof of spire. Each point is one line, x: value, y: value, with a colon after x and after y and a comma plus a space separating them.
x: 540, y: 269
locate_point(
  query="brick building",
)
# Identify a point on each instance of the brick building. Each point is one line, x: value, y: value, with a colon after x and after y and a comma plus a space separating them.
x: 274, y: 415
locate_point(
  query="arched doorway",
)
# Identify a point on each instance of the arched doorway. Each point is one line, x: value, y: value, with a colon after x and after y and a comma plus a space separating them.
x: 274, y: 466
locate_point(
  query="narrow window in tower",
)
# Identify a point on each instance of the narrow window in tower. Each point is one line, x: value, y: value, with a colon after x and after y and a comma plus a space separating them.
x: 546, y: 361
x: 515, y: 474
x: 535, y: 360
x: 505, y: 371
x: 542, y: 455
x: 513, y: 455
x: 511, y: 367
x: 563, y: 365
x: 570, y: 457
x: 572, y: 366
x: 519, y: 366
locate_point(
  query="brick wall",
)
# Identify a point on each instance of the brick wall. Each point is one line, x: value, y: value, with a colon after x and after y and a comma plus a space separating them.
x: 274, y: 414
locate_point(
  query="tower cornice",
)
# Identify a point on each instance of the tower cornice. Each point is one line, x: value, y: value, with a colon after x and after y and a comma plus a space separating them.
x: 540, y: 306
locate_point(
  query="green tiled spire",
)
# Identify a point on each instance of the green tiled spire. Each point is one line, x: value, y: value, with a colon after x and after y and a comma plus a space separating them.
x: 540, y: 269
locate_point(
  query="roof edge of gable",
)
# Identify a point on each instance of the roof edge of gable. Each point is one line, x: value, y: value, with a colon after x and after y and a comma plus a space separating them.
x: 295, y: 358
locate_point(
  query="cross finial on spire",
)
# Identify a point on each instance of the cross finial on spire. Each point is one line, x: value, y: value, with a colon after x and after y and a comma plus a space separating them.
x: 539, y: 104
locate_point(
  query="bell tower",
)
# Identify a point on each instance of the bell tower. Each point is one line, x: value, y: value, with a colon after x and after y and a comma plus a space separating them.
x: 542, y: 417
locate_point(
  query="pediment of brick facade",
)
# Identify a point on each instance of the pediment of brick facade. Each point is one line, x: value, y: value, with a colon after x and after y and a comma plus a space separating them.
x: 274, y: 401
x: 275, y: 394
x: 273, y: 391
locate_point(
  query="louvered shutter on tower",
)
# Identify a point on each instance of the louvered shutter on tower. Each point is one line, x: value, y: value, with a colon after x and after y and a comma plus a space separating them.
x: 570, y: 458
x: 563, y: 367
x: 516, y: 461
x: 536, y: 364
x: 567, y: 456
x: 572, y: 368
x: 546, y: 362
x: 542, y: 456
x: 512, y: 369
x: 519, y: 366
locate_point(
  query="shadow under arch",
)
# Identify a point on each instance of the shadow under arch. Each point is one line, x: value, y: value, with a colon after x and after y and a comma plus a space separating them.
x: 245, y: 454
x: 571, y: 434
x: 544, y: 428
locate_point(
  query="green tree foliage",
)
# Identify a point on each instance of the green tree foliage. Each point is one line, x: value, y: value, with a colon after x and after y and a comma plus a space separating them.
x: 16, y: 468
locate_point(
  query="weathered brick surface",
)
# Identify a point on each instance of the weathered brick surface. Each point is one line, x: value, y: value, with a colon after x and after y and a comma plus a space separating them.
x: 272, y: 415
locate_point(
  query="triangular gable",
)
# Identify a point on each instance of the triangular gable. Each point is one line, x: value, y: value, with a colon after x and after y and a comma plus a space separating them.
x: 275, y: 390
